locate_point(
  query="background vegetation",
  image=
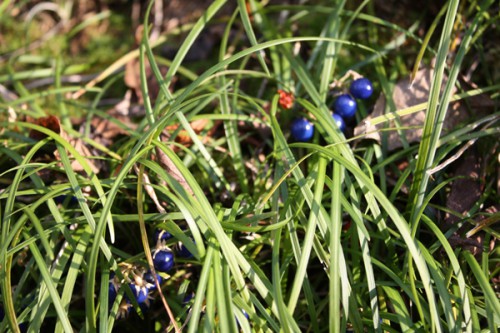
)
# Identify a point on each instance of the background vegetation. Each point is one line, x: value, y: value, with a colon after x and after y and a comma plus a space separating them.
x: 119, y: 119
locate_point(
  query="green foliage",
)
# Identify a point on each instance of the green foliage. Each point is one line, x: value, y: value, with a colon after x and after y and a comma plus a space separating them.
x: 264, y: 218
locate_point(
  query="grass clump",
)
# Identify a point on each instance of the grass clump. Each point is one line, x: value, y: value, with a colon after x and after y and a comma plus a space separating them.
x: 267, y: 233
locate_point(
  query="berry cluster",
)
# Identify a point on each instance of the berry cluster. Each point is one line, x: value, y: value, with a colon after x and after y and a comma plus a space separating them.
x: 141, y: 281
x: 344, y: 107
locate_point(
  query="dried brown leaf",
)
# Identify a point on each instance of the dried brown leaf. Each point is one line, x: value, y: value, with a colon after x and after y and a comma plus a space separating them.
x: 49, y: 122
x: 172, y: 169
x: 406, y: 95
x: 53, y: 123
x: 133, y: 75
x: 198, y: 126
x: 469, y: 166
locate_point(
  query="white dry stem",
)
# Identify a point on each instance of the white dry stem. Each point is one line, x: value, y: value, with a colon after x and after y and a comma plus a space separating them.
x: 63, y: 247
x: 150, y: 190
x: 459, y: 153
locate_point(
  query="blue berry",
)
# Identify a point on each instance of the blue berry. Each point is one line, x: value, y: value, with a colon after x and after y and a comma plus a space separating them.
x: 183, y: 251
x: 60, y: 199
x: 23, y: 327
x: 187, y: 298
x: 163, y: 260
x: 111, y: 293
x: 361, y: 88
x: 162, y: 235
x: 148, y: 276
x: 246, y: 316
x: 302, y: 129
x: 339, y: 121
x: 140, y: 294
x: 345, y: 106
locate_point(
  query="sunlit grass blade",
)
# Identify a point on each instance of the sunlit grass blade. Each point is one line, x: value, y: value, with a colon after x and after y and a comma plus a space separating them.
x: 74, y: 271
x: 328, y: 53
x: 52, y: 290
x: 425, y: 43
x: 335, y: 291
x: 399, y: 307
x: 309, y: 236
x: 492, y: 304
x: 247, y: 24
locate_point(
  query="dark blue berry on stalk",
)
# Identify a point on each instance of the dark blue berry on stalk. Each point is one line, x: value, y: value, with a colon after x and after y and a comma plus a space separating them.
x: 23, y: 327
x: 60, y: 199
x: 163, y: 260
x: 183, y: 251
x: 339, y: 121
x: 361, y: 88
x: 247, y: 316
x: 302, y: 129
x: 345, y: 106
x: 187, y: 298
x: 148, y: 276
x: 140, y: 294
x: 162, y: 235
x: 112, y: 293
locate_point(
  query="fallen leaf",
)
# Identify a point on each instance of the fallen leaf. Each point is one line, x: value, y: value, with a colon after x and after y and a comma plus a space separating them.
x: 52, y: 123
x: 406, y: 95
x: 49, y: 122
x: 105, y: 130
x: 133, y: 75
x: 183, y: 137
x: 469, y: 166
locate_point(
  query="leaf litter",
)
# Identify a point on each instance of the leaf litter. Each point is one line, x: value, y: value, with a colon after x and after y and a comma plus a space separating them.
x: 467, y: 164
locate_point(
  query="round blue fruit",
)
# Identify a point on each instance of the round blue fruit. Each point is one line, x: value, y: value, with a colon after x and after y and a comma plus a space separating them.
x: 361, y: 88
x: 302, y: 129
x: 148, y: 276
x: 339, y: 121
x: 140, y: 294
x: 163, y: 260
x: 345, y: 106
x: 112, y: 293
x: 184, y: 252
x: 187, y: 298
x: 162, y: 235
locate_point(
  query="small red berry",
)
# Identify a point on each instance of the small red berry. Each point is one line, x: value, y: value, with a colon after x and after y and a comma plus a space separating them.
x: 286, y: 99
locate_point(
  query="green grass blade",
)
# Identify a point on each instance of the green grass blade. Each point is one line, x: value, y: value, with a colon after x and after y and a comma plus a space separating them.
x: 329, y: 56
x: 247, y: 25
x: 335, y: 268
x: 51, y: 288
x: 491, y: 299
x: 432, y: 128
x: 399, y: 307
